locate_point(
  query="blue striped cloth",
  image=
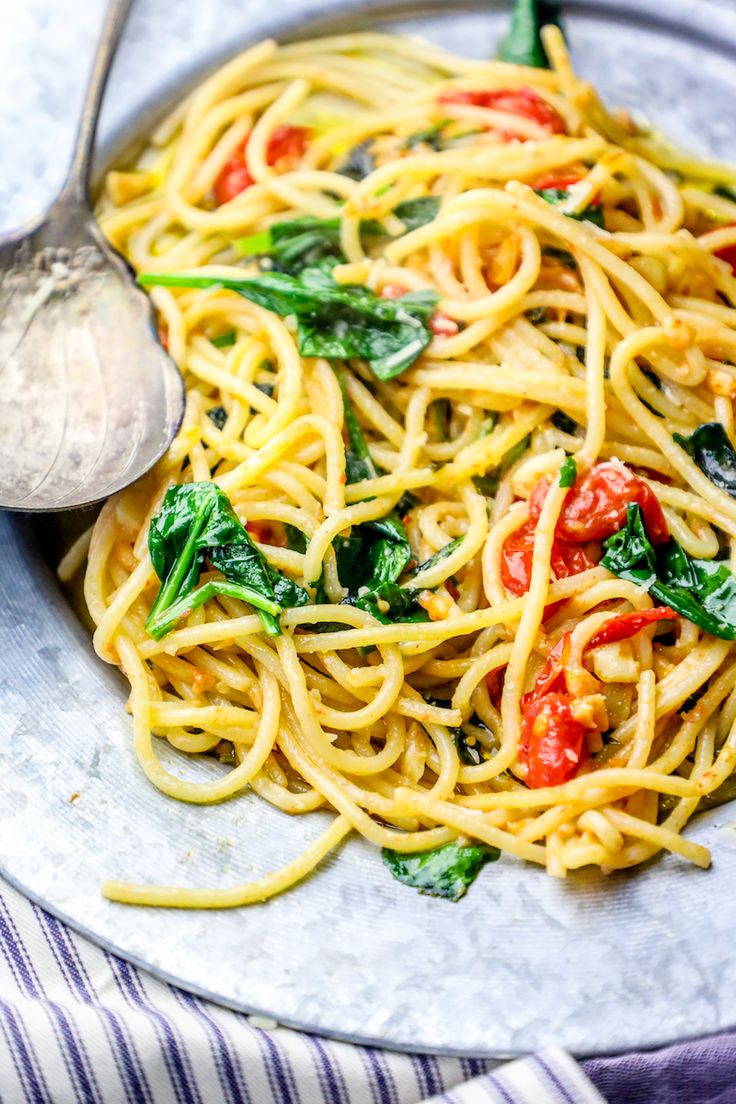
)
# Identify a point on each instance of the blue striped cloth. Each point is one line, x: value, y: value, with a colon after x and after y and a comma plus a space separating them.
x: 79, y: 1026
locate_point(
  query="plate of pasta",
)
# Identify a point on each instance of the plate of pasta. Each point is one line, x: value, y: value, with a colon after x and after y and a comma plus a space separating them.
x: 411, y: 715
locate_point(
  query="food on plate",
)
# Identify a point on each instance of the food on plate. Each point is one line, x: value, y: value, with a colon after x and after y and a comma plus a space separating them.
x: 444, y: 546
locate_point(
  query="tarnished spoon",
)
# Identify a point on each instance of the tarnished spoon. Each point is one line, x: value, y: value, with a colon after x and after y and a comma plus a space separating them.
x: 89, y: 399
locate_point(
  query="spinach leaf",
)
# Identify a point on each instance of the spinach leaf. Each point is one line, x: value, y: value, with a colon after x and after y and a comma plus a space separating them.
x: 441, y: 413
x: 417, y: 212
x: 335, y: 321
x: 360, y: 162
x: 296, y: 244
x: 564, y: 256
x: 488, y: 483
x: 197, y: 522
x: 704, y: 591
x: 439, y: 555
x: 218, y: 416
x: 295, y: 539
x: 429, y: 136
x: 564, y: 422
x: 592, y: 213
x: 358, y: 461
x: 523, y: 43
x: 224, y: 340
x: 726, y: 191
x: 442, y: 872
x: 714, y: 454
x: 568, y: 472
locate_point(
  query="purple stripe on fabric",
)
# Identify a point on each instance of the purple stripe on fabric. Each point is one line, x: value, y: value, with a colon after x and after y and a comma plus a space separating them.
x: 26, y: 979
x: 72, y: 968
x: 83, y: 1072
x: 185, y: 1091
x: 386, y: 1088
x: 553, y: 1079
x: 278, y: 1074
x: 501, y: 1090
x: 230, y: 1077
x: 35, y: 1086
x: 433, y: 1082
x: 330, y: 1076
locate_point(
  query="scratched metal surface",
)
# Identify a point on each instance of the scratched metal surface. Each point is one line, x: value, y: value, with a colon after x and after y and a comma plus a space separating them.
x: 594, y: 964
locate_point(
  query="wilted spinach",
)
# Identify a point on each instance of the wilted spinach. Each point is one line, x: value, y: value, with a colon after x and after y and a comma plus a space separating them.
x: 445, y: 871
x: 714, y: 454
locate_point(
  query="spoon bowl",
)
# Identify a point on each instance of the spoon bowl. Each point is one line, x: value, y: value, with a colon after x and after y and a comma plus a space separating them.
x: 90, y: 398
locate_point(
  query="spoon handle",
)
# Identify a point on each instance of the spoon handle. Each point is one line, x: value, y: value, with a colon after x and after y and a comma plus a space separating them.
x: 76, y: 185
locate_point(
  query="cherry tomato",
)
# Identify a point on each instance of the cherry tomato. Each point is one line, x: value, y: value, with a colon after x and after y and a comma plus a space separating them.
x: 443, y: 326
x: 562, y: 182
x: 596, y: 506
x: 517, y: 553
x: 233, y: 179
x: 287, y: 143
x: 628, y: 625
x: 494, y: 685
x: 516, y: 101
x: 265, y: 533
x: 392, y: 291
x: 728, y: 254
x: 552, y: 745
x: 551, y: 677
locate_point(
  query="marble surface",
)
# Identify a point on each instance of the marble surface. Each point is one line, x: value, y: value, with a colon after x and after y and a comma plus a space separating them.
x: 596, y: 965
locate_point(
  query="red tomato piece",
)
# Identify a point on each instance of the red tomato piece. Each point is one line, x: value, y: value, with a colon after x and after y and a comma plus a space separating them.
x: 596, y: 506
x: 515, y: 101
x: 443, y: 326
x: 287, y: 143
x: 392, y: 291
x: 517, y: 553
x: 628, y: 625
x: 265, y: 533
x: 552, y: 745
x: 563, y: 181
x: 494, y: 685
x: 728, y: 254
x: 551, y: 677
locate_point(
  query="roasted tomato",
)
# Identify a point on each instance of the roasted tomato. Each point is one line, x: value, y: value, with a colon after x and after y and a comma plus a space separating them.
x: 518, y: 551
x: 515, y: 101
x: 628, y: 625
x: 286, y: 144
x: 596, y: 506
x: 552, y: 745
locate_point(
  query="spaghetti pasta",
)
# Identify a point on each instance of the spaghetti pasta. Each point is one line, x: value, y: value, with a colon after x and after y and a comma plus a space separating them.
x: 442, y: 544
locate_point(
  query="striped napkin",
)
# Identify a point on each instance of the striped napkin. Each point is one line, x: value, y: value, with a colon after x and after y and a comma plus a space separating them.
x: 79, y: 1026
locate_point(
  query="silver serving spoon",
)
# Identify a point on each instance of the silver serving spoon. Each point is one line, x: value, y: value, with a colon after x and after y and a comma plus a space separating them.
x: 89, y: 400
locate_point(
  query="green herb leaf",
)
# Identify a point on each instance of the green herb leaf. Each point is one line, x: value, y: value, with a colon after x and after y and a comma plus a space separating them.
x: 360, y: 162
x: 335, y: 321
x: 218, y: 416
x: 564, y: 422
x: 714, y: 454
x: 358, y: 461
x: 224, y: 340
x: 556, y: 196
x: 429, y: 136
x: 295, y: 539
x: 417, y: 212
x: 439, y: 555
x: 704, y: 591
x: 488, y: 483
x: 523, y: 42
x: 442, y: 872
x: 568, y: 472
x: 564, y: 256
x: 197, y: 522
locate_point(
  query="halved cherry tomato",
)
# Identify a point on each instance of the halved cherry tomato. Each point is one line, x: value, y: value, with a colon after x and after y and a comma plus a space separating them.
x: 596, y: 506
x: 562, y: 182
x: 728, y: 254
x: 628, y: 625
x: 286, y: 143
x: 392, y: 291
x: 518, y: 551
x: 443, y: 326
x: 494, y: 685
x: 552, y: 745
x: 516, y: 101
x: 265, y: 533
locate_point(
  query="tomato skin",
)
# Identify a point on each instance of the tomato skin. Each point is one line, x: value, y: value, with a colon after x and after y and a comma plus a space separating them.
x: 517, y: 553
x: 392, y: 291
x: 728, y: 254
x: 515, y: 101
x: 596, y: 506
x: 561, y: 182
x: 628, y: 625
x: 552, y: 746
x: 286, y: 143
x: 233, y: 179
x: 265, y: 533
x: 442, y: 325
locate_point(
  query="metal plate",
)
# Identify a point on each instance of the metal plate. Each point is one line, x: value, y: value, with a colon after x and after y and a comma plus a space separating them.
x: 594, y: 964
